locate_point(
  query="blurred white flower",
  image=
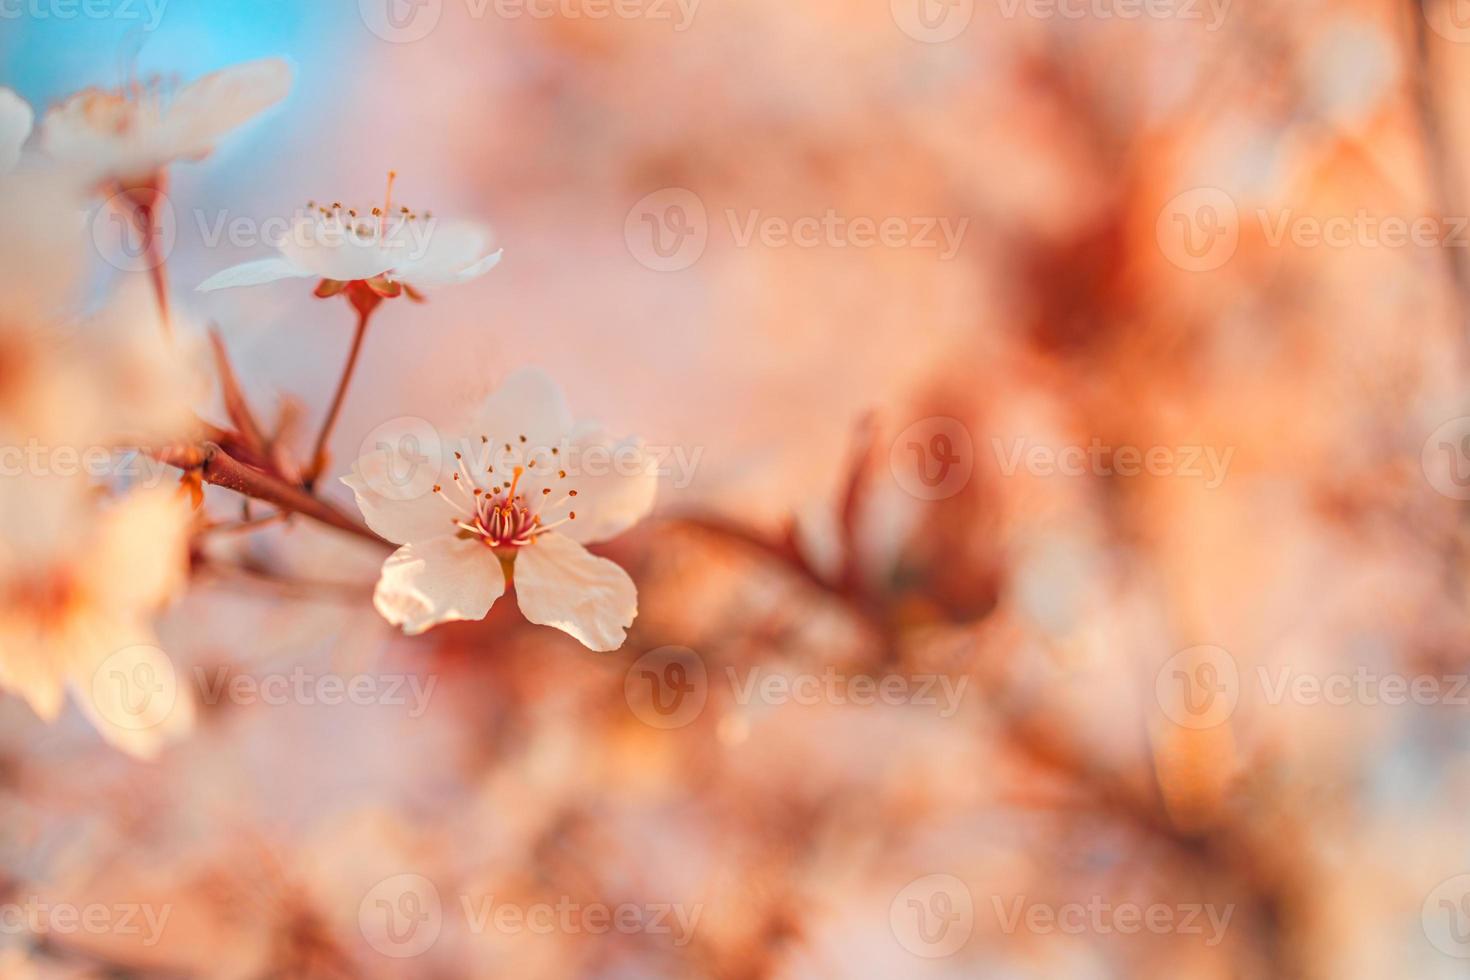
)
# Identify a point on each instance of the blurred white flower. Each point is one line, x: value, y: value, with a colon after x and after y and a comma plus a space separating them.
x: 109, y: 379
x: 145, y: 383
x: 382, y: 246
x: 523, y: 495
x: 44, y: 250
x: 16, y: 118
x: 79, y: 582
x: 44, y: 388
x: 128, y: 134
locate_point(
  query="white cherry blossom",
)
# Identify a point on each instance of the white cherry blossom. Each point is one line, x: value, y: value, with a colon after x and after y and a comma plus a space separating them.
x: 389, y: 246
x: 16, y: 119
x: 513, y: 503
x: 128, y: 134
x: 79, y: 583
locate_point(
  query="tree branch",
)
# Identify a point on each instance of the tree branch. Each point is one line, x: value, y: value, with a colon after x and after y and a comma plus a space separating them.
x: 217, y: 467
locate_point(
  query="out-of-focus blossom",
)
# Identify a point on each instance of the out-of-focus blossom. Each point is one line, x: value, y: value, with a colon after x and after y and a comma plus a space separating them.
x: 386, y: 247
x: 518, y: 505
x: 16, y: 118
x: 101, y: 377
x: 145, y: 384
x: 44, y: 248
x: 79, y: 584
x: 15, y: 965
x: 128, y: 134
x: 107, y: 379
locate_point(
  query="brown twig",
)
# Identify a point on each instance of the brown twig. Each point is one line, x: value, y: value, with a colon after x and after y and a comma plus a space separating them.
x: 236, y: 405
x: 319, y: 452
x: 217, y: 467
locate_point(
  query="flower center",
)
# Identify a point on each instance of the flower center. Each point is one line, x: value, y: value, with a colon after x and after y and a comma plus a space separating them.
x: 383, y: 225
x: 508, y: 512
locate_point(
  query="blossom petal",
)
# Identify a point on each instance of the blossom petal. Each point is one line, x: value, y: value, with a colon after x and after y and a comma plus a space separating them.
x: 442, y: 580
x: 141, y: 555
x: 559, y: 583
x: 331, y: 251
x: 16, y: 119
x: 479, y: 268
x: 146, y: 383
x: 30, y: 665
x: 109, y: 133
x: 394, y: 491
x: 253, y: 274
x: 527, y: 403
x: 211, y: 106
x: 83, y: 131
x: 442, y: 252
x: 616, y: 483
